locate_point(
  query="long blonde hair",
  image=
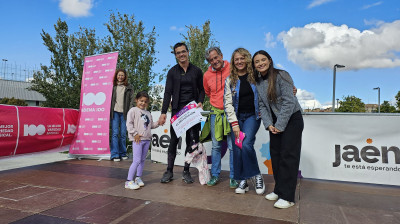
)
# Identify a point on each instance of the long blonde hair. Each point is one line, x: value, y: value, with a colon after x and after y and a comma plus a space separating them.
x: 249, y: 68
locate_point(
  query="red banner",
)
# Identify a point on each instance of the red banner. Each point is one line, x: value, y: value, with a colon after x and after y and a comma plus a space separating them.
x: 34, y: 129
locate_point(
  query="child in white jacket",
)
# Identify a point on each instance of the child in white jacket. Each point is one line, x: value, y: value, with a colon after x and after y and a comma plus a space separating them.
x: 139, y: 123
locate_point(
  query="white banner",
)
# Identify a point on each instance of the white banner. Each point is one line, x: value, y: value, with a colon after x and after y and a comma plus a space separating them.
x: 345, y: 147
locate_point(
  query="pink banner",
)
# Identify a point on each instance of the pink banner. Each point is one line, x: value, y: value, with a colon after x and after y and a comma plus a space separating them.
x: 34, y: 129
x: 92, y: 136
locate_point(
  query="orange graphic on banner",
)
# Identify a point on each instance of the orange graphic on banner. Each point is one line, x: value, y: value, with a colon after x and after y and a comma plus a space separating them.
x: 268, y: 164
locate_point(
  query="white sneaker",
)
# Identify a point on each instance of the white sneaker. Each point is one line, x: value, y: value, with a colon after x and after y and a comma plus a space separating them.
x: 243, y: 187
x: 283, y: 204
x: 139, y: 181
x: 124, y: 157
x: 271, y: 196
x: 131, y: 185
x: 116, y: 159
x: 259, y: 184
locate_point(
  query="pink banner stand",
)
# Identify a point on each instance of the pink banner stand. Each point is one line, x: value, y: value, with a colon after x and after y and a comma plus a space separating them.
x: 92, y: 138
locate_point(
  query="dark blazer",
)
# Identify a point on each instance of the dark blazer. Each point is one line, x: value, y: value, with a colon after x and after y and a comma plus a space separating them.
x: 172, y: 86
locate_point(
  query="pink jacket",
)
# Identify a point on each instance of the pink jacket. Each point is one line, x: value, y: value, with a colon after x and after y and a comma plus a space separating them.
x: 140, y: 122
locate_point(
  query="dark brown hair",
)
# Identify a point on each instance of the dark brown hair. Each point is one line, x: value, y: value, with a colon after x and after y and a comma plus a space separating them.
x: 271, y: 74
x: 115, y: 80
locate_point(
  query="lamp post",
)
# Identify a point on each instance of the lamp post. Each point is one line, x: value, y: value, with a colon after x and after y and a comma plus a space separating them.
x: 379, y: 98
x: 334, y: 83
x: 5, y: 61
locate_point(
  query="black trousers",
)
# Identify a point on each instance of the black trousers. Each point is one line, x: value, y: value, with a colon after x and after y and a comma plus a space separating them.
x: 191, y: 134
x: 285, y: 157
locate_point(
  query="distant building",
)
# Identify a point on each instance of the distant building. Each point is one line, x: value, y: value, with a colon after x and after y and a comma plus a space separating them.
x: 371, y: 108
x: 19, y: 90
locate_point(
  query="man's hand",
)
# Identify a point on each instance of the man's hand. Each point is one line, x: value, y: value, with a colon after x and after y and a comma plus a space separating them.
x: 162, y: 119
x: 200, y: 105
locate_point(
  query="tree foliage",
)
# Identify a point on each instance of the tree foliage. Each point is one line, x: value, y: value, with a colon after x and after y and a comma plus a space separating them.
x: 387, y: 108
x: 351, y: 104
x: 397, y: 97
x: 198, y: 41
x: 60, y: 83
x: 136, y: 49
x: 13, y: 101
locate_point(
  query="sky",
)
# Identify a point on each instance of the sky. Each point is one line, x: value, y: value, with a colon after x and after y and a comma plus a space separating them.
x: 306, y: 38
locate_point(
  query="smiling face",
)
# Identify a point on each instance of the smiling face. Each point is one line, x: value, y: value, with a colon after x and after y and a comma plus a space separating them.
x: 216, y: 60
x: 181, y: 54
x: 261, y: 63
x: 121, y: 76
x: 240, y: 62
x: 142, y: 102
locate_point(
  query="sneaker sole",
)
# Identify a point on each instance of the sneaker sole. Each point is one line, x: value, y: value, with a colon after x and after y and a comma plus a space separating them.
x: 166, y: 181
x: 283, y: 207
x: 131, y: 188
x: 188, y: 182
x: 271, y: 198
x: 242, y: 192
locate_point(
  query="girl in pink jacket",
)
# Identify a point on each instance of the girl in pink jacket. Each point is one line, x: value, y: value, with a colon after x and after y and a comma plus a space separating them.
x: 139, y: 123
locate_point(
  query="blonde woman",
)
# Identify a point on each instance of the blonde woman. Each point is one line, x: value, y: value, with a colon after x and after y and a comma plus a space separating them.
x: 241, y: 108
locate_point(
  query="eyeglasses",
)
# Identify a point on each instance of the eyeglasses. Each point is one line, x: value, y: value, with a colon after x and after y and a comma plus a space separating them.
x: 181, y: 52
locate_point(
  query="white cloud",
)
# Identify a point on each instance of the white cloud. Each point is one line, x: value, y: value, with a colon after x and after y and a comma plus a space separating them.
x: 173, y: 28
x: 279, y: 66
x: 371, y: 5
x: 269, y: 40
x: 307, y: 100
x: 315, y: 3
x: 321, y: 45
x: 76, y: 8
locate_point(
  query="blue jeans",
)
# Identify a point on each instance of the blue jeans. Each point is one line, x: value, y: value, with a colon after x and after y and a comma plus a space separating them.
x: 118, y: 138
x: 245, y: 159
x: 216, y: 151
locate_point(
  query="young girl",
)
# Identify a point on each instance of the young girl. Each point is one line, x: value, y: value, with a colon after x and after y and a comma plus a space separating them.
x: 139, y: 124
x: 121, y: 102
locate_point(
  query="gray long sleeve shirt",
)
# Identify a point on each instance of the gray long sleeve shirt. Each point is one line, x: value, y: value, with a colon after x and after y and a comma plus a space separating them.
x: 286, y: 103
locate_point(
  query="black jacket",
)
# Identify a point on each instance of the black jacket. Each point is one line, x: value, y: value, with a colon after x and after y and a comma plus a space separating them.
x: 172, y: 86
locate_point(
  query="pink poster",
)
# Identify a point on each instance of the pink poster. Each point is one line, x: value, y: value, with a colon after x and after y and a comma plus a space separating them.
x: 92, y: 136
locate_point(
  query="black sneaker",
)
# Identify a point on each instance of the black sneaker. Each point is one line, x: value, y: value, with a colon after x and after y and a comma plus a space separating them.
x: 167, y: 177
x: 243, y: 187
x: 259, y: 184
x: 186, y: 177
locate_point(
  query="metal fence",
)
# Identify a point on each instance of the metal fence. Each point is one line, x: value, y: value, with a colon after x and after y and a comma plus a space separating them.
x: 13, y: 71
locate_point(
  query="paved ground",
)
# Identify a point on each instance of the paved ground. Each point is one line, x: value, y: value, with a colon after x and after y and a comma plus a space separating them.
x: 91, y: 191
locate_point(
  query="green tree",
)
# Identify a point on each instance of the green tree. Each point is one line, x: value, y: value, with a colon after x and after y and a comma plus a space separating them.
x: 351, y: 104
x: 13, y: 101
x: 397, y: 97
x: 136, y: 49
x: 60, y: 83
x: 198, y: 41
x: 387, y: 108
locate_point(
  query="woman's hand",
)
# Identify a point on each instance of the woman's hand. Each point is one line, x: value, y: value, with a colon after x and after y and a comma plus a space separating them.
x: 200, y: 105
x: 273, y: 130
x: 137, y: 138
x: 236, y: 131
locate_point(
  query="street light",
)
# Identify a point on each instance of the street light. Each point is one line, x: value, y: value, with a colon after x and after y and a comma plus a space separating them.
x: 334, y: 83
x: 5, y: 60
x: 379, y: 98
